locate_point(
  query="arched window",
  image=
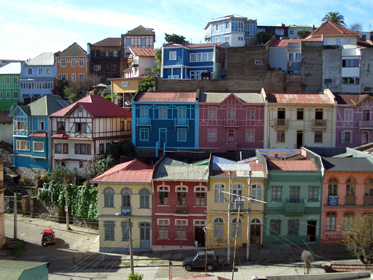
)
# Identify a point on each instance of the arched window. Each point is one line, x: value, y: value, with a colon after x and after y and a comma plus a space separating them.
x: 350, y: 187
x: 126, y: 197
x: 237, y: 190
x: 108, y: 197
x: 163, y: 194
x: 368, y: 190
x: 144, y: 198
x: 200, y: 193
x: 218, y: 227
x: 219, y: 195
x: 256, y: 193
x: 236, y: 222
x: 333, y: 186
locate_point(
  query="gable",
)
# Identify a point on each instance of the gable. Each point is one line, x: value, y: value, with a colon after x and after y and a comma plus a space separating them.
x: 231, y: 100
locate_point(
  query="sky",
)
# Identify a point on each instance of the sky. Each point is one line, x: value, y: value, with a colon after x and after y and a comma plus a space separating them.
x: 29, y: 28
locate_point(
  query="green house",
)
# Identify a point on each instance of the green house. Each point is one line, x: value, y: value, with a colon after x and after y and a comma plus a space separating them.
x: 292, y: 214
x: 23, y: 270
x: 9, y: 85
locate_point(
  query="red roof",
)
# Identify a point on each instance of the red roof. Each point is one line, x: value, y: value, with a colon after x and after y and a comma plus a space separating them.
x: 96, y: 106
x: 332, y: 29
x: 299, y: 98
x: 134, y: 171
x: 291, y: 165
x: 177, y: 97
x: 39, y: 134
x: 109, y: 42
x: 143, y: 51
x: 351, y: 99
x: 285, y: 42
x: 60, y: 135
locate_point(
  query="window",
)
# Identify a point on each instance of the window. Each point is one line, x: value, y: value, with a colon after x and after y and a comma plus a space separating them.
x: 61, y: 148
x: 107, y: 53
x: 366, y: 115
x: 8, y: 95
x: 218, y: 227
x: 348, y: 114
x: 216, y: 27
x: 109, y: 227
x: 20, y: 125
x: 181, y: 195
x: 275, y: 227
x: 108, y: 197
x: 126, y: 197
x: 328, y: 82
x: 346, y: 137
x: 101, y: 148
x: 15, y: 94
x: 351, y: 80
x: 212, y: 113
x: 250, y: 135
x: 73, y: 62
x: 293, y: 226
x: 200, y: 196
x: 330, y: 220
x: 163, y: 195
x: 181, y: 112
x: 144, y: 112
x: 38, y: 147
x: 279, y: 31
x: 163, y: 225
x: 294, y: 194
x: 7, y: 80
x: 23, y: 145
x: 251, y: 113
x: 125, y: 231
x: 318, y: 136
x: 172, y: 55
x: 181, y: 135
x: 97, y: 67
x: 144, y: 134
x: 300, y: 112
x: 82, y: 149
x: 281, y: 136
x: 348, y: 222
x: 29, y: 71
x: 40, y: 71
x: 237, y: 191
x: 276, y: 194
x: 81, y: 127
x: 313, y: 193
x: 61, y: 126
x: 115, y: 53
x: 258, y: 62
x: 219, y: 195
x: 231, y: 114
x: 350, y: 187
x: 163, y: 112
x: 73, y: 77
x: 227, y: 25
x: 144, y: 198
x: 63, y: 63
x: 41, y: 125
x: 350, y: 62
x: 63, y: 77
x: 256, y: 193
x: 81, y: 77
x: 347, y: 41
x: 81, y: 62
x: 368, y: 189
x: 236, y: 227
x: 211, y: 137
x: 226, y: 39
x: 143, y: 42
x: 48, y: 71
x: 15, y: 80
x: 339, y: 41
x: 181, y: 228
x: 333, y: 186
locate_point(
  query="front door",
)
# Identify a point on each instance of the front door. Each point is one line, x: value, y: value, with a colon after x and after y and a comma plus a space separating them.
x: 162, y: 137
x: 255, y: 230
x: 199, y: 235
x: 365, y: 137
x: 299, y: 139
x: 311, y: 231
x: 144, y: 236
x: 230, y: 136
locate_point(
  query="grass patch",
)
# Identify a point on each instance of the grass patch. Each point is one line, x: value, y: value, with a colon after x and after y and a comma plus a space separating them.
x: 126, y: 263
x: 162, y: 262
x: 17, y: 250
x: 152, y: 262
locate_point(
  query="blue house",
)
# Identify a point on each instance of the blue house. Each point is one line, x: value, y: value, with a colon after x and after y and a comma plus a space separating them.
x: 166, y: 120
x: 37, y: 77
x: 31, y: 132
x: 193, y: 61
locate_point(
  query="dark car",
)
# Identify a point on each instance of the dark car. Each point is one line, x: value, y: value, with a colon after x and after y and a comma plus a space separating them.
x: 198, y: 261
x: 48, y: 237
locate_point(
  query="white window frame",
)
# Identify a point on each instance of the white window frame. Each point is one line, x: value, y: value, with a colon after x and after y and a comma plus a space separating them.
x: 73, y: 62
x: 172, y: 55
x: 81, y: 62
x: 343, y: 137
x: 47, y: 71
x: 8, y: 95
x: 212, y: 135
x: 15, y: 94
x: 348, y: 114
x: 73, y: 77
x: 81, y: 77
x: 63, y: 62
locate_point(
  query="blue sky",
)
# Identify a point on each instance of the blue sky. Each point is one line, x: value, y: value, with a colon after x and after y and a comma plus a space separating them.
x: 29, y: 28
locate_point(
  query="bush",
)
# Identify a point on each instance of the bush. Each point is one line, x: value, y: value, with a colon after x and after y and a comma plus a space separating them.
x: 135, y: 276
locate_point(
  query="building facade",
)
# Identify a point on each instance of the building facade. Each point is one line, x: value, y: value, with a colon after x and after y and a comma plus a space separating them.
x: 9, y: 85
x: 138, y: 61
x: 139, y: 37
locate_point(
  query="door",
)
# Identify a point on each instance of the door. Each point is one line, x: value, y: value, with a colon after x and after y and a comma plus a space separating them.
x: 199, y: 235
x: 255, y: 234
x: 144, y: 236
x: 230, y: 136
x: 162, y: 137
x: 311, y: 231
x: 299, y: 139
x: 365, y: 137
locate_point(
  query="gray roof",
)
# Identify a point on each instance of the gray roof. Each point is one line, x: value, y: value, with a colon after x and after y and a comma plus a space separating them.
x: 73, y: 50
x: 46, y: 58
x: 218, y: 97
x: 348, y: 164
x: 171, y: 169
x: 140, y: 31
x: 11, y: 68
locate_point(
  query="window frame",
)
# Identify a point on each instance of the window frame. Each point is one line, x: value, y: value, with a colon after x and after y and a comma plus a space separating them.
x: 172, y: 56
x: 108, y: 197
x: 41, y: 146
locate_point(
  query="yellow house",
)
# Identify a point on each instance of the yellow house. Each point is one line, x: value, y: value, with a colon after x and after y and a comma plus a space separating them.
x: 124, y: 198
x: 125, y: 89
x: 239, y: 222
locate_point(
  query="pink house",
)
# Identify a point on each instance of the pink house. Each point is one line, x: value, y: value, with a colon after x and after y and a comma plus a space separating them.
x: 354, y: 120
x: 231, y: 121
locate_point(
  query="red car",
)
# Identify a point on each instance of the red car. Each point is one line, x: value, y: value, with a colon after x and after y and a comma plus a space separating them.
x: 48, y: 237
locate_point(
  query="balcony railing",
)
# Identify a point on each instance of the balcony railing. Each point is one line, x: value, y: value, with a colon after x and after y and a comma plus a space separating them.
x: 294, y: 206
x: 126, y: 210
x: 319, y: 124
x: 181, y: 209
x: 281, y: 123
x: 181, y: 122
x: 144, y: 121
x: 368, y: 200
x: 231, y: 123
x: 366, y: 124
x: 350, y: 200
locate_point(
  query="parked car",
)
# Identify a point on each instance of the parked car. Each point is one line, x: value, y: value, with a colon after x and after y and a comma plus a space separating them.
x: 198, y: 261
x: 48, y: 237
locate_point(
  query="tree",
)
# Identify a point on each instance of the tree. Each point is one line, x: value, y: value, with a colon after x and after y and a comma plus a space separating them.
x: 303, y: 33
x: 358, y: 239
x: 173, y: 38
x: 334, y: 17
x: 148, y: 83
x: 263, y: 37
x: 79, y: 89
x: 60, y: 87
x: 356, y: 27
x: 124, y: 148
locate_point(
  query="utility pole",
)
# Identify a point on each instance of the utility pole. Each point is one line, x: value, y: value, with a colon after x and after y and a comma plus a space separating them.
x: 15, y: 215
x: 66, y: 207
x: 131, y: 248
x: 229, y: 220
x: 235, y: 235
x: 248, y: 218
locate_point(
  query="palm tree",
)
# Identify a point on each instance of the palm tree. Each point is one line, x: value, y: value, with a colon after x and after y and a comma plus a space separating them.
x: 334, y: 17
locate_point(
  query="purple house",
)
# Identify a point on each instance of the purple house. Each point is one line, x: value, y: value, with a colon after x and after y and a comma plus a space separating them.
x: 231, y: 121
x: 354, y: 125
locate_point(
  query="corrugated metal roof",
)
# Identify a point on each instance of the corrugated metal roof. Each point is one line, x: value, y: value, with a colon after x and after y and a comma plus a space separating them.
x: 330, y: 28
x: 171, y: 169
x: 11, y: 68
x: 286, y: 98
x: 172, y: 97
x: 291, y: 165
x: 73, y: 50
x: 350, y: 99
x: 148, y: 52
x: 347, y: 164
x: 46, y: 105
x: 219, y: 97
x: 284, y: 43
x: 46, y: 58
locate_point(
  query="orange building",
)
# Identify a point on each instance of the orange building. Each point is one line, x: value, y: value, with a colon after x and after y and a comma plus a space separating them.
x: 72, y: 63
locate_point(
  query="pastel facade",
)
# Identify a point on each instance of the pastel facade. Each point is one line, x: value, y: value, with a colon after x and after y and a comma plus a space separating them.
x: 31, y: 139
x: 231, y: 121
x: 139, y: 37
x: 125, y: 198
x: 296, y: 120
x: 139, y: 60
x: 124, y: 89
x: 354, y: 120
x: 72, y: 64
x: 38, y: 77
x: 9, y: 85
x: 165, y: 120
x: 83, y: 132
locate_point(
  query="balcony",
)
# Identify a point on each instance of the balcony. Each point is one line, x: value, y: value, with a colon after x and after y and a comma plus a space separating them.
x: 181, y: 209
x: 181, y: 122
x: 144, y: 122
x: 366, y: 124
x: 281, y: 123
x: 350, y: 200
x: 319, y: 124
x: 231, y: 123
x: 368, y: 200
x: 294, y: 207
x: 126, y: 210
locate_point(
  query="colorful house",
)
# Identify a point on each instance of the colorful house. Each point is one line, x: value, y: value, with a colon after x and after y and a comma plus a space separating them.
x: 38, y: 76
x: 9, y: 85
x: 138, y: 61
x: 296, y: 120
x: 292, y: 214
x: 232, y: 121
x: 124, y: 89
x: 165, y: 120
x: 139, y: 37
x: 193, y: 61
x: 354, y: 120
x: 125, y: 198
x: 234, y: 207
x: 83, y: 132
x: 72, y: 63
x: 31, y: 140
x: 179, y: 202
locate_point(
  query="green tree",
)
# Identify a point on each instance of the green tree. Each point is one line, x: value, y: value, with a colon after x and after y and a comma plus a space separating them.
x: 60, y: 87
x: 174, y: 38
x: 60, y: 174
x: 124, y: 148
x: 334, y: 17
x: 135, y: 276
x: 80, y: 89
x: 263, y: 37
x: 148, y: 83
x: 303, y: 33
x: 105, y: 164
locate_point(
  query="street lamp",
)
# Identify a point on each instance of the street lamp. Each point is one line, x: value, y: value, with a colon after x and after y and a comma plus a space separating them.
x: 130, y: 237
